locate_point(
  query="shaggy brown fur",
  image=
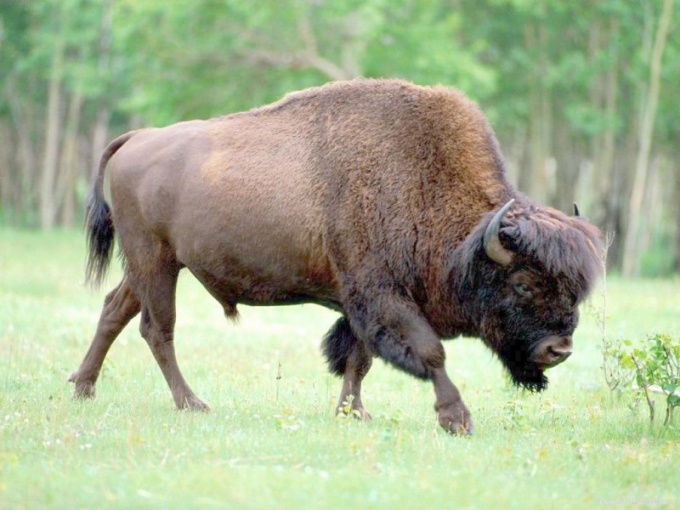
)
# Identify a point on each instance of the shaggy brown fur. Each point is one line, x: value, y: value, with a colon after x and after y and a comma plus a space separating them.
x: 370, y: 197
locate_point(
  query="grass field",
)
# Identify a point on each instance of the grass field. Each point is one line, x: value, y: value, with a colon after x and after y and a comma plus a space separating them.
x: 272, y: 440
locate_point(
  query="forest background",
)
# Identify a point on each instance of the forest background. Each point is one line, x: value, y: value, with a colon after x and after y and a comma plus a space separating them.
x: 583, y: 95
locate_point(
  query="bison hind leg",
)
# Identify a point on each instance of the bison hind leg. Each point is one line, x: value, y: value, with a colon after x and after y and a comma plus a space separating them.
x: 347, y: 356
x: 120, y: 306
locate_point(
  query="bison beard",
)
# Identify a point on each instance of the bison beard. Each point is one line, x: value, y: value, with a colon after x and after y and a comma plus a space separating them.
x: 379, y: 199
x: 515, y: 356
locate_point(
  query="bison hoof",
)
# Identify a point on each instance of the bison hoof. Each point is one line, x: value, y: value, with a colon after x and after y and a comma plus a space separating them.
x: 456, y: 421
x: 359, y: 414
x: 351, y: 406
x: 84, y: 388
x: 193, y: 403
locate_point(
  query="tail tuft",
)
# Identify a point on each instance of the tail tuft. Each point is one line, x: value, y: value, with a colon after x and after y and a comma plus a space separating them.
x: 337, y: 346
x: 100, y: 238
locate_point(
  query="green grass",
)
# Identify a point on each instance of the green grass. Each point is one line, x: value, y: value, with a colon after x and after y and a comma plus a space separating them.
x: 273, y: 442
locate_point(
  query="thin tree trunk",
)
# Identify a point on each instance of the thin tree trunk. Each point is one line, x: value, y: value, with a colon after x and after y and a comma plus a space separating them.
x: 606, y: 161
x: 25, y: 162
x: 603, y: 155
x: 548, y: 177
x: 66, y: 183
x: 101, y: 123
x: 596, y: 141
x: 6, y: 180
x: 653, y: 206
x: 676, y: 204
x: 100, y: 134
x: 568, y: 167
x: 611, y: 100
x: 48, y: 205
x: 533, y: 180
x: 632, y: 250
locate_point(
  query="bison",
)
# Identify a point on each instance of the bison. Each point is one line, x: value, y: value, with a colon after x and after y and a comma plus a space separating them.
x: 382, y: 200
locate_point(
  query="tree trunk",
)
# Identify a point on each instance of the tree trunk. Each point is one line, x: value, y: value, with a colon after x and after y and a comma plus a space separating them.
x: 632, y: 249
x: 23, y: 185
x: 568, y: 159
x: 653, y: 206
x: 68, y: 163
x: 6, y: 180
x: 100, y: 131
x: 100, y: 134
x: 48, y: 205
x: 604, y: 150
x: 676, y: 172
x: 534, y: 181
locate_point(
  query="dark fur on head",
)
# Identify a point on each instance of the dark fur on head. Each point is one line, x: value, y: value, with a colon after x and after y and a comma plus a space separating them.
x: 568, y: 247
x: 514, y: 357
x: 557, y: 255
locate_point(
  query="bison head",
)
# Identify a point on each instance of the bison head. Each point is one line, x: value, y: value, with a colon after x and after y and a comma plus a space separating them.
x: 529, y: 269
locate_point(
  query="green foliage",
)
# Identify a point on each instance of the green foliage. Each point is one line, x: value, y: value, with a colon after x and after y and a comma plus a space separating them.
x: 71, y: 26
x: 658, y: 260
x: 200, y: 54
x: 653, y: 366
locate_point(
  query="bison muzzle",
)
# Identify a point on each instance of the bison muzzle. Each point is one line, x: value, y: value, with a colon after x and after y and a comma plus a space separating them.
x: 385, y: 201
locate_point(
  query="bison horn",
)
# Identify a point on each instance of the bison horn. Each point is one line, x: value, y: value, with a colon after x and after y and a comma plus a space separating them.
x: 492, y: 243
x: 577, y: 213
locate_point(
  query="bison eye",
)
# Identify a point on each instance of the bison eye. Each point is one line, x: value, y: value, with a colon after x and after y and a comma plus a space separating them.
x: 523, y: 290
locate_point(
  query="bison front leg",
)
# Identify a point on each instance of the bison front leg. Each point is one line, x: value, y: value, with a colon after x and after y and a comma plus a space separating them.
x: 400, y: 335
x: 347, y: 356
x: 452, y: 414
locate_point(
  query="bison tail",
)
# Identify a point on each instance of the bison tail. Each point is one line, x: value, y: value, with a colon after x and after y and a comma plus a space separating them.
x: 337, y: 345
x: 100, y: 232
x: 98, y: 220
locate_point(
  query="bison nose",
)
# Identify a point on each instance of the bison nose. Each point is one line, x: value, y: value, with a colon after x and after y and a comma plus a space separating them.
x: 552, y: 351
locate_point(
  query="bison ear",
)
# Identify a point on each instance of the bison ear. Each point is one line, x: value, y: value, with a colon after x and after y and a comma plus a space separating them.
x: 492, y: 243
x: 577, y: 213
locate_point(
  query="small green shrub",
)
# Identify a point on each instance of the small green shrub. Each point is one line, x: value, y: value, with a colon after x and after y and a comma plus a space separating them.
x: 652, y: 367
